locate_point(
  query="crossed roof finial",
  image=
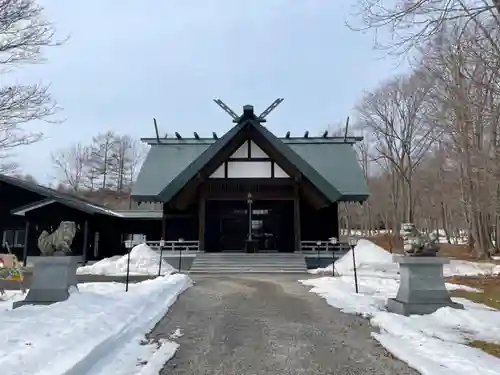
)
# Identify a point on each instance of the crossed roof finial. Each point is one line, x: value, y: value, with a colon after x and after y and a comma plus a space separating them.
x: 248, y: 111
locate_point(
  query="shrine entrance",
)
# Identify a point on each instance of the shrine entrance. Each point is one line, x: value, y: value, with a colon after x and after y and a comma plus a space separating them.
x: 230, y: 222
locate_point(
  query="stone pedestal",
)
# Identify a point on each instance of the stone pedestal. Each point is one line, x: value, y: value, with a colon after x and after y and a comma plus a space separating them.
x: 52, y: 278
x: 422, y: 287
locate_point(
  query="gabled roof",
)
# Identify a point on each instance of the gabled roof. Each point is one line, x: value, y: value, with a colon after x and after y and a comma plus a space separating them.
x: 171, y: 164
x: 338, y: 165
x: 52, y: 196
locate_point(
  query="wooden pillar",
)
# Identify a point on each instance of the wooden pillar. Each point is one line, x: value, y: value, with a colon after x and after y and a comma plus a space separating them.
x: 335, y: 212
x: 85, y: 240
x: 164, y: 223
x: 201, y: 220
x: 25, y: 248
x: 296, y: 217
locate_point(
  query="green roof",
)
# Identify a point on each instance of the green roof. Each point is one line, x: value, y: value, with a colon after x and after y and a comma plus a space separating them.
x: 162, y: 165
x: 338, y: 164
x: 328, y: 163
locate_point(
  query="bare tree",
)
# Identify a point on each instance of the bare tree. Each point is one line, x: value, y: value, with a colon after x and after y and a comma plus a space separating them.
x: 26, y: 177
x: 413, y: 23
x: 71, y: 165
x: 127, y: 156
x: 437, y: 147
x: 393, y: 115
x: 138, y: 153
x: 24, y: 33
x: 101, y: 158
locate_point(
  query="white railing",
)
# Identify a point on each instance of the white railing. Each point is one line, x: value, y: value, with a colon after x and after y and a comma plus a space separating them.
x: 322, y: 247
x: 184, y: 246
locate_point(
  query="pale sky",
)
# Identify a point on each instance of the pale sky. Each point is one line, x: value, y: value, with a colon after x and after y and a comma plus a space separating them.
x: 129, y: 61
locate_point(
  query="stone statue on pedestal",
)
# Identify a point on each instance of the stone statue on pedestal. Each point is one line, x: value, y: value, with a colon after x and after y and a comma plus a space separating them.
x: 416, y: 244
x: 422, y: 288
x: 58, y: 242
x: 55, y: 271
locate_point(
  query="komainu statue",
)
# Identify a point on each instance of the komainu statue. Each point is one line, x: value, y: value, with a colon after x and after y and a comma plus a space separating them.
x: 417, y: 244
x: 58, y: 241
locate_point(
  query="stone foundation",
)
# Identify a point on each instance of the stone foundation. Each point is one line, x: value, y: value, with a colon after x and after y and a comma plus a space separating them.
x: 422, y: 287
x: 52, y: 278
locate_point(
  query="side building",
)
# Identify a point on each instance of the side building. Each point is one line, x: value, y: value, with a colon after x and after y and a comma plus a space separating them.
x: 27, y: 209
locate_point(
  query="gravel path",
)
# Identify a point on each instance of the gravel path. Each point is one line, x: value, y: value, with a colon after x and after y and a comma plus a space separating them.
x: 266, y: 325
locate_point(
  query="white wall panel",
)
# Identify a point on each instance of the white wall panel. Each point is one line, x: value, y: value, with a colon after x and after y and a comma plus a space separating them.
x: 219, y: 172
x: 279, y: 172
x: 249, y: 169
x: 256, y: 151
x: 241, y: 152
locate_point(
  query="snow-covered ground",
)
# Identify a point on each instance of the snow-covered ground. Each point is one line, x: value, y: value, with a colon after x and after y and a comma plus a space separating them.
x: 434, y: 344
x: 99, y: 330
x: 373, y: 260
x: 456, y: 238
x: 143, y: 261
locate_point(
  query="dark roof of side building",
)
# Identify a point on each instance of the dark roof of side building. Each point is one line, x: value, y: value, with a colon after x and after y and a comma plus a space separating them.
x: 51, y: 196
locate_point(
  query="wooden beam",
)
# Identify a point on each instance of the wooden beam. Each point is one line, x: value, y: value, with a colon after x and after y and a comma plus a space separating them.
x: 296, y: 217
x: 156, y: 130
x: 164, y: 223
x: 242, y: 195
x: 201, y: 218
x: 336, y: 220
x: 25, y: 247
x: 85, y: 240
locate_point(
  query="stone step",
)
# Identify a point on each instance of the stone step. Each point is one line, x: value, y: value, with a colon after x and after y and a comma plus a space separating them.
x: 249, y: 263
x: 279, y: 266
x: 251, y: 256
x: 233, y: 271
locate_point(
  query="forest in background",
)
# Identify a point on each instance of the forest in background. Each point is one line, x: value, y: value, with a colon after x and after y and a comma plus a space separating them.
x: 431, y: 151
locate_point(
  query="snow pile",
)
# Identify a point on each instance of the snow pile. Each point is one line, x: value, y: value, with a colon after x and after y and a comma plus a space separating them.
x: 143, y: 261
x: 9, y: 297
x: 98, y: 330
x: 372, y: 260
x: 434, y: 344
x: 465, y: 268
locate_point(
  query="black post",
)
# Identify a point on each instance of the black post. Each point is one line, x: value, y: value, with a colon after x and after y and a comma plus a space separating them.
x: 85, y: 241
x: 355, y: 272
x: 250, y: 219
x: 333, y: 261
x: 128, y: 270
x: 161, y: 257
x: 25, y: 248
x: 180, y: 258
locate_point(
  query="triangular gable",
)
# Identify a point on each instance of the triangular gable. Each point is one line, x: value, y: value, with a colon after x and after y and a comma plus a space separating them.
x: 197, y: 165
x: 249, y: 161
x: 190, y: 172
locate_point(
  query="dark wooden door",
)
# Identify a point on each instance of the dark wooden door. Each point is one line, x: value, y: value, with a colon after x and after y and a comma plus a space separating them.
x: 233, y: 231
